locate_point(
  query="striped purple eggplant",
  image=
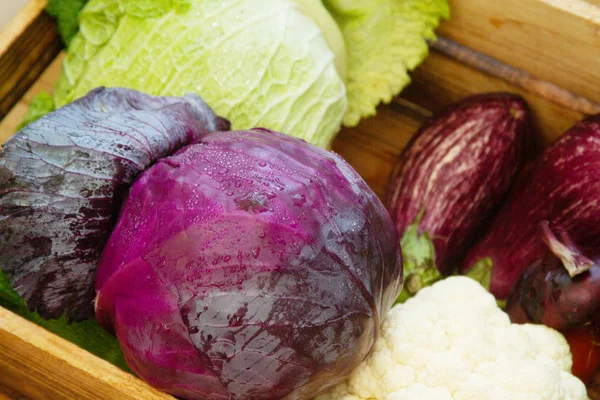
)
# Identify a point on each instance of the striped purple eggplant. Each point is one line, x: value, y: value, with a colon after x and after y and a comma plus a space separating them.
x: 563, y: 188
x: 451, y: 178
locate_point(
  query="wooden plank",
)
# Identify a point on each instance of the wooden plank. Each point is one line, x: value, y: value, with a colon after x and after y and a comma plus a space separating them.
x: 27, y: 46
x: 18, y: 26
x: 441, y: 81
x: 8, y: 124
x: 38, y: 364
x: 10, y: 394
x: 555, y: 40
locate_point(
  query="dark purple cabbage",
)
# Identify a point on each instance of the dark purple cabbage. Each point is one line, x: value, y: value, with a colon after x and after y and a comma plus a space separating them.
x: 250, y: 266
x: 61, y: 182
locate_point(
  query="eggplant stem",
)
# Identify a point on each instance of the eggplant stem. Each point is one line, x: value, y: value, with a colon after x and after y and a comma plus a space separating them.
x: 515, y: 76
x: 414, y: 283
x: 574, y: 262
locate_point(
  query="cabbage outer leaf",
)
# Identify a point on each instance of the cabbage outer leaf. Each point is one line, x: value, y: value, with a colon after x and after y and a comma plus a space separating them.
x: 384, y: 40
x: 256, y: 62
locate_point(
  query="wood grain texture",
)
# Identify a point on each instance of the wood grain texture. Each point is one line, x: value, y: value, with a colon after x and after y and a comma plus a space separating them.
x: 8, y: 124
x: 10, y: 394
x: 18, y: 26
x: 27, y: 46
x: 441, y: 81
x: 515, y: 76
x: 554, y: 40
x: 37, y: 364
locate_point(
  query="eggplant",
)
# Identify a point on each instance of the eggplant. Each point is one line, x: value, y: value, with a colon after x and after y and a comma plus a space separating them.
x: 450, y: 179
x: 561, y: 290
x: 562, y: 187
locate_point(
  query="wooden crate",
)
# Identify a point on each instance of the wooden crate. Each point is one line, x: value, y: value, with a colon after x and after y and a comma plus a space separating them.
x: 557, y: 41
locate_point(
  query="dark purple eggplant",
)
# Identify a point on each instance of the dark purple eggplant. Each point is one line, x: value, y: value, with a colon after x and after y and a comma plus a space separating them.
x: 451, y: 177
x: 61, y: 181
x: 563, y: 188
x: 561, y: 290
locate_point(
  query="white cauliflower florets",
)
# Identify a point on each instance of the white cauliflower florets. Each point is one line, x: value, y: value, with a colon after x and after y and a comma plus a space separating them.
x: 452, y: 342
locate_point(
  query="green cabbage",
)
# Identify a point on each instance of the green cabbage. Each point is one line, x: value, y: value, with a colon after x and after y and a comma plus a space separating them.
x: 257, y: 62
x: 297, y: 66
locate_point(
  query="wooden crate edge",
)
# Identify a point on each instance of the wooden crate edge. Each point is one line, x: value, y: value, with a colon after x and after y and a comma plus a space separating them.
x: 27, y: 46
x: 554, y: 40
x: 38, y: 364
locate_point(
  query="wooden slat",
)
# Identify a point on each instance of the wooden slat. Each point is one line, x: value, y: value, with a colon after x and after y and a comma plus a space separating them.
x: 18, y: 26
x: 45, y: 82
x: 27, y: 46
x: 441, y: 81
x: 10, y: 394
x: 37, y: 364
x: 555, y: 40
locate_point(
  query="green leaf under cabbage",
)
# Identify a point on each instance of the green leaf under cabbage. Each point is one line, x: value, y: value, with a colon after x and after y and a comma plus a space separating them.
x: 40, y: 105
x: 88, y: 335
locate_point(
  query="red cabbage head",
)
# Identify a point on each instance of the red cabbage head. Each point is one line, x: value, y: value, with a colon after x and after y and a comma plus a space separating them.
x: 249, y: 266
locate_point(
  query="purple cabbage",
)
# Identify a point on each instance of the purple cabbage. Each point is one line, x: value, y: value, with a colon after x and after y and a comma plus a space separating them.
x: 61, y: 182
x: 563, y: 188
x: 249, y: 266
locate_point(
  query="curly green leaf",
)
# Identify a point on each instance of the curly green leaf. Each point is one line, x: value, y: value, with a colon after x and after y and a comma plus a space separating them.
x: 384, y: 40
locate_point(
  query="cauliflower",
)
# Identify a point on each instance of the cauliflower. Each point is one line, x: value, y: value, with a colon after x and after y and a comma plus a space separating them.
x: 452, y: 342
